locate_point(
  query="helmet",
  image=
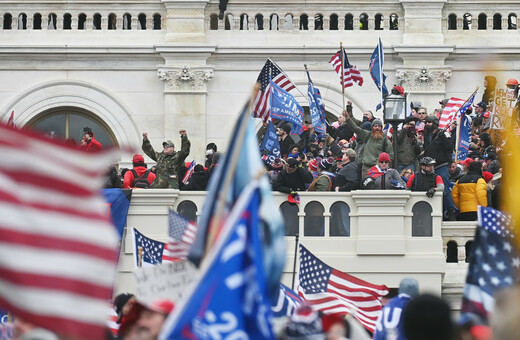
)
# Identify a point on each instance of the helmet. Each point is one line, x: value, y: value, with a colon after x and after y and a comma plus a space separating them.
x: 427, y: 161
x: 512, y: 81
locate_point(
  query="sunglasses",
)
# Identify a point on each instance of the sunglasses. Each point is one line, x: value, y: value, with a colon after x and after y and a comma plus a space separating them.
x: 421, y: 113
x: 167, y: 146
x: 384, y: 162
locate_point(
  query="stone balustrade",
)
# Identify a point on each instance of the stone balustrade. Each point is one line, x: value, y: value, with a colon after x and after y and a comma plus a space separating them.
x: 377, y: 235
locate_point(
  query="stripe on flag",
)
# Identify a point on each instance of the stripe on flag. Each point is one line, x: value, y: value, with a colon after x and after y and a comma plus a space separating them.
x: 58, y: 249
x: 351, y: 73
x: 448, y: 114
x: 182, y: 234
x: 189, y: 172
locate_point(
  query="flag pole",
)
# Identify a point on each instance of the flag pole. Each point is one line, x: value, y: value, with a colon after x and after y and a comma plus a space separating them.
x: 459, y: 121
x: 342, y: 74
x: 285, y: 74
x: 295, y: 257
x: 380, y: 52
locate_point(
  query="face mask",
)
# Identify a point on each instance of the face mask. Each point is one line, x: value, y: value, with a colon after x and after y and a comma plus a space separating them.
x: 365, y: 119
x: 209, y: 152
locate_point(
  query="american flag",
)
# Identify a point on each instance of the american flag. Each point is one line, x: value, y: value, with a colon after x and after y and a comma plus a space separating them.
x: 182, y: 234
x: 152, y: 250
x: 494, y: 263
x: 58, y: 249
x: 451, y: 108
x: 351, y: 74
x: 335, y: 292
x: 112, y: 320
x: 189, y: 172
x: 10, y: 122
x: 262, y: 102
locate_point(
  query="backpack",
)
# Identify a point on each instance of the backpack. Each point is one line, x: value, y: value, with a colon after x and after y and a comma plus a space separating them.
x: 313, y: 184
x: 141, y: 182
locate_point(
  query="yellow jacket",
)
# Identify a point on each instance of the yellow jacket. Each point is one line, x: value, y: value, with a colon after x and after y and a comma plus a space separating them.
x: 469, y: 192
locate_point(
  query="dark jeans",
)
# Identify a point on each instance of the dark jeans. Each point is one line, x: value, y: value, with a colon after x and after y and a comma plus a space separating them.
x: 447, y: 202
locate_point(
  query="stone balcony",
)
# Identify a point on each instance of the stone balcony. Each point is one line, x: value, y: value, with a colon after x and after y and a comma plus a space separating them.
x: 380, y: 236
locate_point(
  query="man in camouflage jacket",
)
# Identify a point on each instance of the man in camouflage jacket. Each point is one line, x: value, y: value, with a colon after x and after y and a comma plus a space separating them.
x: 169, y: 162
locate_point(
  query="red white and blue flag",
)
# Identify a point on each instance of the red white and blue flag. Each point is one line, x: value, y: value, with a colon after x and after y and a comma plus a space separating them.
x: 189, y: 172
x: 182, y: 234
x: 10, y: 122
x: 334, y: 292
x: 454, y: 108
x: 58, y: 249
x: 351, y: 73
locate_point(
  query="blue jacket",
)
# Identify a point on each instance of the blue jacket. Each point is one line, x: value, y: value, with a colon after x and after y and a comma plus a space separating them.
x: 389, y: 325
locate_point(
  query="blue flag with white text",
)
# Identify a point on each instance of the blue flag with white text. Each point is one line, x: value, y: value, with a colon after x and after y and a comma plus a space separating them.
x: 230, y: 299
x: 376, y: 70
x: 285, y: 107
x: 464, y: 138
x: 286, y: 303
x: 316, y: 108
x: 271, y: 143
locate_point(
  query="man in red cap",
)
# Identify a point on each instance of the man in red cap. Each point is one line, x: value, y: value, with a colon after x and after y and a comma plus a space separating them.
x: 144, y: 322
x: 139, y: 176
x: 381, y: 176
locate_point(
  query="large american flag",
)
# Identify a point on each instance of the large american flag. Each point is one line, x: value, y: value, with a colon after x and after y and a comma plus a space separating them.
x: 335, y: 292
x: 182, y: 234
x: 58, y: 249
x: 449, y: 114
x: 351, y: 73
x: 262, y: 102
x: 494, y: 263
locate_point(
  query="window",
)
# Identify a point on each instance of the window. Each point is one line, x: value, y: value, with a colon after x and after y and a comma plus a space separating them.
x: 244, y: 21
x: 67, y: 21
x: 112, y: 21
x: 157, y: 22
x: 142, y: 21
x: 469, y: 249
x: 274, y: 22
x: 512, y: 21
x: 127, y: 21
x: 188, y: 210
x: 497, y: 21
x: 97, y: 21
x: 482, y: 21
x: 304, y: 22
x: 22, y: 21
x: 452, y: 252
x: 422, y: 224
x: 289, y: 26
x: 333, y: 22
x: 290, y: 217
x: 349, y: 22
x: 68, y: 123
x: 339, y: 219
x: 318, y: 22
x: 8, y: 21
x: 394, y: 22
x: 228, y: 24
x: 259, y: 22
x: 452, y: 21
x: 314, y: 222
x: 466, y: 21
x: 51, y: 19
x: 82, y: 20
x: 37, y: 21
x: 363, y: 22
x: 379, y: 23
x: 213, y: 22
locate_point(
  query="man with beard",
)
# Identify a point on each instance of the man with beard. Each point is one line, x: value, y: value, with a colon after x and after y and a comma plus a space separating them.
x: 438, y: 145
x: 286, y: 141
x: 375, y: 142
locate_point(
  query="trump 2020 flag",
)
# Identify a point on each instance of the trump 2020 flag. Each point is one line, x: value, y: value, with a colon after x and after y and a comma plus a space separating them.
x: 316, y: 108
x: 58, y: 249
x: 494, y: 263
x: 463, y: 138
x: 229, y: 299
x: 270, y: 143
x: 376, y: 71
x: 285, y: 107
x: 286, y: 303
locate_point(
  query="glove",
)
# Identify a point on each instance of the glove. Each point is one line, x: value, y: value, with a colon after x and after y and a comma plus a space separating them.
x: 431, y: 192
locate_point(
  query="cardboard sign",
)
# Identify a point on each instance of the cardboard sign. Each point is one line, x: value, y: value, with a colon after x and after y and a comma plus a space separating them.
x: 504, y: 102
x: 163, y: 281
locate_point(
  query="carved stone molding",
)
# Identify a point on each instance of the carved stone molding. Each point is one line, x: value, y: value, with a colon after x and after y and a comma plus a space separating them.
x: 423, y: 79
x: 185, y: 79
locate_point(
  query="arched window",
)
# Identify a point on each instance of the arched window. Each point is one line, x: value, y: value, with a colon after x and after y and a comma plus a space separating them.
x: 333, y: 22
x: 466, y: 21
x: 244, y: 22
x: 51, y: 19
x: 289, y: 26
x: 112, y: 21
x: 22, y: 21
x: 142, y: 21
x: 37, y: 21
x: 394, y: 22
x: 452, y: 252
x: 127, y: 21
x: 213, y: 22
x: 290, y: 217
x: 318, y: 22
x: 96, y: 22
x: 379, y: 23
x: 497, y: 21
x: 228, y: 24
x: 339, y: 219
x: 157, y: 21
x: 188, y: 210
x: 422, y: 224
x: 67, y: 21
x: 452, y: 21
x: 469, y: 251
x: 304, y: 22
x: 82, y: 20
x: 273, y: 24
x: 482, y: 21
x: 69, y: 122
x: 363, y: 21
x: 314, y: 222
x: 8, y: 21
x: 512, y: 21
x: 259, y: 22
x: 349, y: 22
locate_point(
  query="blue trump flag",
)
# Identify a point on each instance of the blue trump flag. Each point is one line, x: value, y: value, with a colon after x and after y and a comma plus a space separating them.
x: 118, y: 201
x: 464, y: 138
x: 285, y: 107
x: 229, y: 297
x: 286, y: 303
x: 271, y: 143
x: 376, y: 71
x: 316, y: 108
x: 227, y: 184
